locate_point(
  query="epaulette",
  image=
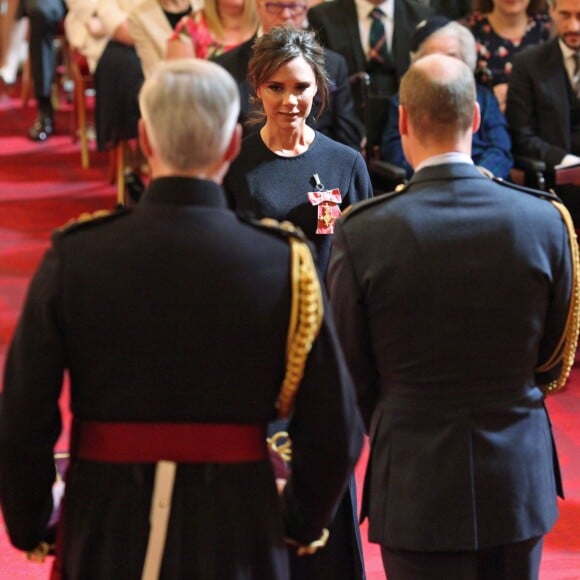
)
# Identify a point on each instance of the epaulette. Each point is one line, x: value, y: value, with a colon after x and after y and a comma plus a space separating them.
x: 373, y: 201
x: 88, y: 219
x: 547, y: 195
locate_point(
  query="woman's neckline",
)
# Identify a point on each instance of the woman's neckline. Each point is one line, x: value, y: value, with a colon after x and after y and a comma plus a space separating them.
x: 299, y: 147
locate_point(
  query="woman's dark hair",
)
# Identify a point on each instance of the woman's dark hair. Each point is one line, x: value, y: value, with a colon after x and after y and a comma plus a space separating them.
x: 281, y: 45
x: 486, y: 6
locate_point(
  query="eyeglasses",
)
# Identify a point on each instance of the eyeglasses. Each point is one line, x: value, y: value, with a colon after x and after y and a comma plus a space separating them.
x: 279, y: 7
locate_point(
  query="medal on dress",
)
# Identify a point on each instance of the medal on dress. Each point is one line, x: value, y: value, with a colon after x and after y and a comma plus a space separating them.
x: 328, y: 203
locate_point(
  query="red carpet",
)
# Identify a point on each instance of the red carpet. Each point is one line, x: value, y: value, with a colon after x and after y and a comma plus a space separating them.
x: 42, y: 186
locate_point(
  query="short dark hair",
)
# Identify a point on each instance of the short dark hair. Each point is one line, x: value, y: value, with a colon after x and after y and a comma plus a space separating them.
x: 485, y: 6
x: 281, y: 45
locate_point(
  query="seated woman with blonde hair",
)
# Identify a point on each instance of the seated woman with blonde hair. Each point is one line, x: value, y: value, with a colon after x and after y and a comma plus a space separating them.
x: 166, y: 29
x: 216, y: 28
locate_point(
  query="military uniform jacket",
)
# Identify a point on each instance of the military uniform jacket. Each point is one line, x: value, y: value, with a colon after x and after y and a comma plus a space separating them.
x: 447, y: 296
x: 174, y: 311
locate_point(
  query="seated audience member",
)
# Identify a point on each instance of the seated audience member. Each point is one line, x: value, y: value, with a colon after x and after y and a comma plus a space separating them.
x: 151, y: 23
x: 337, y: 119
x: 85, y: 31
x: 372, y: 36
x: 453, y: 9
x: 502, y: 28
x: 176, y: 30
x: 110, y: 301
x: 543, y: 105
x: 118, y: 78
x: 491, y: 147
x: 44, y: 17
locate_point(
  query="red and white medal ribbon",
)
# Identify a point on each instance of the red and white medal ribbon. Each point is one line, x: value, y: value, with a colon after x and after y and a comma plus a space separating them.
x: 327, y: 202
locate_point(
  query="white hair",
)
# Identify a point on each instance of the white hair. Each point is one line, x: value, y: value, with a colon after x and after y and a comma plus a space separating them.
x: 190, y: 108
x: 464, y: 37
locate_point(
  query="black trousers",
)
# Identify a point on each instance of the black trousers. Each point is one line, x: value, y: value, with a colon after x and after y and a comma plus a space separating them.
x: 44, y: 16
x: 518, y: 561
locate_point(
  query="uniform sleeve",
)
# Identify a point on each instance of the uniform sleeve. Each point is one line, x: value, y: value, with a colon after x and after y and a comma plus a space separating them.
x: 352, y: 325
x: 327, y: 434
x: 559, y: 303
x: 30, y: 421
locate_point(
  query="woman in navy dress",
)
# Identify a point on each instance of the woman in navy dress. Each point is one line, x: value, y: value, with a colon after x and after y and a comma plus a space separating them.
x: 289, y: 171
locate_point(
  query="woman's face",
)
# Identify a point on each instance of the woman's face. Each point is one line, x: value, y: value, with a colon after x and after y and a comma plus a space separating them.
x: 441, y: 44
x: 511, y: 6
x: 287, y: 95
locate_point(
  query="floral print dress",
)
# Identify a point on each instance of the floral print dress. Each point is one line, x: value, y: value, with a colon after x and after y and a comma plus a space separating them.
x: 205, y: 45
x: 495, y: 53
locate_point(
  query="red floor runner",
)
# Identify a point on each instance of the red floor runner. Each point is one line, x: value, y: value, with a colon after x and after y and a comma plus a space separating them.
x: 42, y: 186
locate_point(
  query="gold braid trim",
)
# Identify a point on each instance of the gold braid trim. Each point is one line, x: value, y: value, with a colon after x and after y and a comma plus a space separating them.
x: 565, y: 350
x: 281, y: 444
x: 306, y: 313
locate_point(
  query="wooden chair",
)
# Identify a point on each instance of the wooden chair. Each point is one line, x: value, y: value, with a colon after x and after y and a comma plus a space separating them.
x: 83, y: 82
x: 373, y: 110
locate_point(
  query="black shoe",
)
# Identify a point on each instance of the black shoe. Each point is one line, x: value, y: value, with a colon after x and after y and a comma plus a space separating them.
x: 134, y: 186
x: 42, y: 128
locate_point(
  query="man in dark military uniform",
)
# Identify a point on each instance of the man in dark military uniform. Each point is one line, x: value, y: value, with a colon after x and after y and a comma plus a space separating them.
x: 452, y: 298
x: 172, y: 319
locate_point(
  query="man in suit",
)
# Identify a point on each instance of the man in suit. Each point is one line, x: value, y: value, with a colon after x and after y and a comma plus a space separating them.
x: 543, y: 104
x: 345, y: 26
x: 176, y: 345
x: 451, y: 297
x: 338, y: 120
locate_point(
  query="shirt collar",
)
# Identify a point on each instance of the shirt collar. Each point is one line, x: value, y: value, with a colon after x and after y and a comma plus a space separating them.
x: 363, y: 7
x: 443, y: 159
x: 567, y: 52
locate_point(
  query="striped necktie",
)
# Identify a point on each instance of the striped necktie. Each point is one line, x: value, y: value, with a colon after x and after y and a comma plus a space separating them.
x: 377, y: 37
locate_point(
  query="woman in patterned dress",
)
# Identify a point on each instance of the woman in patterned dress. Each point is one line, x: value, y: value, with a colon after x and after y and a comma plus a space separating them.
x: 502, y: 28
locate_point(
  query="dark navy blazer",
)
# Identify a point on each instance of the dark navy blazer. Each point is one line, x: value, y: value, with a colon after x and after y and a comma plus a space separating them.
x: 447, y: 296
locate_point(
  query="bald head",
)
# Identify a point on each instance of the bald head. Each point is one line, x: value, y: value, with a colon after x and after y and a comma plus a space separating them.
x: 438, y: 95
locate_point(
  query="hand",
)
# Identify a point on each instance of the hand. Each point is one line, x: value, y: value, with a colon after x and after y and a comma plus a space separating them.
x: 95, y: 27
x: 569, y: 160
x: 176, y: 48
x: 500, y: 92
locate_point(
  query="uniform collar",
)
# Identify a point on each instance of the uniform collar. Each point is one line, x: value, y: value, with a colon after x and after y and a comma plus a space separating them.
x: 445, y: 172
x: 186, y: 191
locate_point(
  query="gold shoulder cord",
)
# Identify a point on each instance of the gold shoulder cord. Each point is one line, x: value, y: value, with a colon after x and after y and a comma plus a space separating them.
x: 306, y: 313
x: 565, y: 350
